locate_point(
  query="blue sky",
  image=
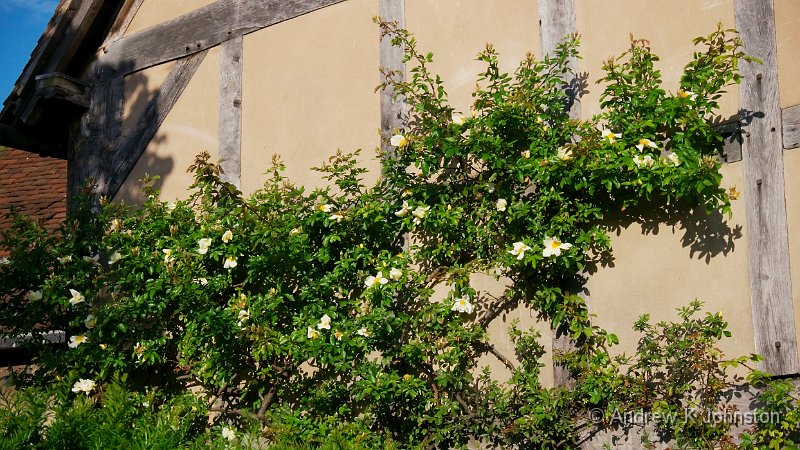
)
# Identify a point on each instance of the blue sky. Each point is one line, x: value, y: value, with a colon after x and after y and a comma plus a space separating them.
x: 21, y: 24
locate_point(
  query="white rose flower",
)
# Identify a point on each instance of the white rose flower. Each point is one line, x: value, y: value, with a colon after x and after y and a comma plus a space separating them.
x: 114, y: 258
x: 243, y: 316
x: 643, y: 161
x: 402, y: 212
x: 94, y: 260
x: 501, y: 204
x: 463, y: 305
x: 230, y: 262
x: 227, y: 236
x: 76, y: 298
x: 83, y: 385
x: 377, y: 280
x: 564, y: 153
x: 553, y: 247
x: 419, y: 213
x: 519, y: 250
x: 77, y: 340
x: 610, y: 136
x: 324, y: 323
x: 35, y: 296
x: 398, y: 140
x: 644, y: 142
x: 228, y: 434
x: 203, y: 245
x: 395, y: 274
x: 674, y: 159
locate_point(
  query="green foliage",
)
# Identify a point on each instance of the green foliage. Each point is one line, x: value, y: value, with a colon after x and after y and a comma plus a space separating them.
x: 297, y: 319
x: 55, y: 418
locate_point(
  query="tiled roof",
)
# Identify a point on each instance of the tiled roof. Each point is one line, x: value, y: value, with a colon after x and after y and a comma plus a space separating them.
x: 34, y: 185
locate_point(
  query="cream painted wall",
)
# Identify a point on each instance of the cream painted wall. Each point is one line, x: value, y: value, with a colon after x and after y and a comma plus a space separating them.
x: 309, y: 90
x: 153, y: 12
x: 656, y: 272
x: 787, y: 29
x: 140, y: 88
x: 605, y: 28
x: 456, y: 31
x: 791, y: 168
x: 190, y: 128
x: 486, y: 286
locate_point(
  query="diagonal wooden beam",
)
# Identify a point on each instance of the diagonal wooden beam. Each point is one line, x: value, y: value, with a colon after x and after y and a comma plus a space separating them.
x: 125, y: 15
x: 196, y: 31
x: 128, y: 152
x: 764, y: 189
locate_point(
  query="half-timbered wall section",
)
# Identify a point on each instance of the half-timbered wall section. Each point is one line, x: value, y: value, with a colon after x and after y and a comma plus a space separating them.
x: 148, y: 84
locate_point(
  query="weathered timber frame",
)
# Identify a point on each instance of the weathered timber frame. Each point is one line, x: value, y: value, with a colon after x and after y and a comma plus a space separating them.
x: 394, y: 112
x: 197, y: 31
x: 109, y: 160
x: 762, y: 156
x: 557, y: 22
x: 791, y: 127
x: 230, y: 110
x: 98, y: 150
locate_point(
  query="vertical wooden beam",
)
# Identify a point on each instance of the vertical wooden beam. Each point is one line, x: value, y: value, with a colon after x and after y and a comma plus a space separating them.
x: 98, y: 137
x: 768, y: 242
x: 394, y: 112
x: 230, y: 110
x: 556, y: 22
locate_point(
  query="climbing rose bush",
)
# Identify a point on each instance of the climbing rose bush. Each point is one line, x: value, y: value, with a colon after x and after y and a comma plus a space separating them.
x: 308, y: 318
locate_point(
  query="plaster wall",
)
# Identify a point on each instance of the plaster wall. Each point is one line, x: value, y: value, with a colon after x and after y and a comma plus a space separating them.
x: 787, y: 30
x: 606, y: 27
x: 791, y: 167
x: 456, y: 31
x: 189, y: 128
x: 309, y: 90
x: 153, y: 12
x: 658, y: 267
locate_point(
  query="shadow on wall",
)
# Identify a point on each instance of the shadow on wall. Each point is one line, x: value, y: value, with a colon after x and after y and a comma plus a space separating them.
x: 143, y: 103
x: 705, y: 235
